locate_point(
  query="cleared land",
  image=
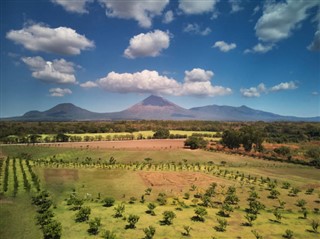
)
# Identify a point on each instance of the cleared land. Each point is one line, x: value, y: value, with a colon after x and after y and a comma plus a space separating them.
x: 69, y: 168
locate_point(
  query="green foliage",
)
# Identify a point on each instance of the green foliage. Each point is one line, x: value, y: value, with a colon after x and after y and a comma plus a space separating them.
x: 109, y: 235
x: 274, y: 194
x: 277, y: 214
x: 168, y: 217
x: 132, y: 220
x: 315, y: 225
x: 94, y: 226
x: 162, y: 200
x: 313, y: 153
x: 83, y: 214
x: 294, y: 192
x: 161, y: 134
x: 283, y: 150
x: 301, y: 203
x: 52, y: 230
x: 151, y: 207
x: 250, y: 217
x: 108, y: 201
x: 288, y: 234
x: 200, y: 213
x: 195, y: 142
x: 149, y: 232
x: 257, y: 234
x: 119, y: 210
x: 222, y: 225
x: 44, y: 218
x: 231, y: 139
x: 187, y: 230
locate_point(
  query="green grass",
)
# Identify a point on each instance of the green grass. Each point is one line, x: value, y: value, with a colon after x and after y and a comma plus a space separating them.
x: 89, y: 182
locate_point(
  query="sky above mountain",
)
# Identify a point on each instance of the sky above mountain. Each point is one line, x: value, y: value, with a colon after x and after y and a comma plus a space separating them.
x: 105, y: 55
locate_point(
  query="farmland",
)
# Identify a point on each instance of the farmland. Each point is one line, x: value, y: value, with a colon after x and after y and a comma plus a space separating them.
x: 167, y: 175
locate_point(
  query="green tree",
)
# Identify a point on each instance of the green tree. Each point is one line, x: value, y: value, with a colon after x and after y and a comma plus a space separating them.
x: 195, y: 142
x: 250, y: 217
x: 132, y: 220
x: 119, y: 210
x: 288, y: 234
x: 108, y: 202
x: 315, y: 225
x: 187, y: 230
x: 52, y: 230
x: 94, y: 226
x: 222, y: 225
x: 62, y: 137
x: 231, y: 139
x: 109, y: 235
x: 83, y: 214
x: 200, y: 213
x: 151, y: 207
x: 161, y: 134
x: 149, y: 232
x: 168, y: 217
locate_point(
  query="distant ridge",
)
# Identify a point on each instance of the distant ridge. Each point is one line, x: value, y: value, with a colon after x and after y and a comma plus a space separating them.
x: 157, y: 108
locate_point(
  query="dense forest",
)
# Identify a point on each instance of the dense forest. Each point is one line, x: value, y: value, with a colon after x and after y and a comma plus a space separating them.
x: 277, y: 132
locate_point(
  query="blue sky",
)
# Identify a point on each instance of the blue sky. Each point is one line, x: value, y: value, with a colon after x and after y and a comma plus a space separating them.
x: 106, y: 55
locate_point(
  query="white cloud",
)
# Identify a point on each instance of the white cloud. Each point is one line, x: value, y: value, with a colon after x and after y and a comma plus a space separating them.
x: 223, y: 46
x: 89, y: 84
x: 256, y: 10
x: 140, y: 82
x: 168, y: 17
x: 198, y: 75
x: 141, y: 11
x: 197, y: 7
x: 260, y: 48
x: 284, y: 86
x: 235, y: 6
x: 261, y: 88
x: 254, y: 91
x: 315, y: 93
x: 315, y: 45
x: 58, y: 92
x: 77, y: 6
x: 280, y: 19
x: 56, y: 71
x: 61, y: 40
x: 196, y: 29
x: 197, y: 82
x: 149, y: 44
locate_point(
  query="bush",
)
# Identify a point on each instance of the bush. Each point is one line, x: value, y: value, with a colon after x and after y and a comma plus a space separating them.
x: 52, y: 230
x: 168, y: 217
x: 195, y: 142
x: 83, y: 214
x: 108, y: 202
x: 149, y: 232
x: 94, y: 226
x: 132, y: 220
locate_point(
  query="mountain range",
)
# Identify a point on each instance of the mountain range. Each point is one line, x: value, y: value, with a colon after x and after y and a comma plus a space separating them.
x: 158, y: 108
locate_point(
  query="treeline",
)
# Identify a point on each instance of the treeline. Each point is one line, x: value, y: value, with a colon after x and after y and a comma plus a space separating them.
x: 275, y: 132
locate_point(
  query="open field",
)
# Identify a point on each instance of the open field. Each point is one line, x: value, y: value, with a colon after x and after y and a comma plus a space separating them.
x: 181, y: 175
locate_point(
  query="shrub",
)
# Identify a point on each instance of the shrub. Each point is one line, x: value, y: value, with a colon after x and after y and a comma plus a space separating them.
x: 168, y: 217
x: 132, y: 220
x: 52, y: 230
x: 108, y: 202
x: 149, y: 232
x: 109, y: 235
x: 94, y: 226
x: 288, y: 234
x: 83, y: 214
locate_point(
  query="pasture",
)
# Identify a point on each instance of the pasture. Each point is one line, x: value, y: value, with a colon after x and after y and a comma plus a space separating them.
x: 137, y: 173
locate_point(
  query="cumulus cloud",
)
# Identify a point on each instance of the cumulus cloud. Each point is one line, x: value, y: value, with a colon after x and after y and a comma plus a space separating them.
x: 254, y: 91
x: 284, y: 86
x: 89, y: 84
x: 261, y: 88
x: 140, y: 82
x: 77, y: 6
x: 58, y: 92
x: 196, y: 29
x: 315, y: 45
x: 197, y: 7
x: 141, y: 11
x: 148, y: 44
x: 223, y: 46
x: 260, y: 48
x: 280, y: 19
x: 61, y: 40
x: 168, y: 17
x: 197, y: 82
x: 56, y: 71
x: 235, y: 6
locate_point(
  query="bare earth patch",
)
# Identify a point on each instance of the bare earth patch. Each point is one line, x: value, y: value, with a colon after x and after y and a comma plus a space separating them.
x: 177, y: 181
x: 154, y: 144
x: 52, y: 175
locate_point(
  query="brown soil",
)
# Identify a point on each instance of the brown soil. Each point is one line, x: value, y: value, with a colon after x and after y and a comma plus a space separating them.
x: 164, y: 144
x: 177, y: 181
x: 60, y: 174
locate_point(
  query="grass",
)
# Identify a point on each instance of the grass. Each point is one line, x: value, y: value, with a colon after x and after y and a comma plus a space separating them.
x: 91, y: 182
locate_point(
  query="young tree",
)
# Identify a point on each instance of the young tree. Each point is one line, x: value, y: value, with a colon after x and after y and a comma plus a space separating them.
x: 109, y: 235
x: 195, y: 142
x: 83, y: 214
x: 119, y: 210
x: 52, y: 230
x: 161, y: 134
x: 257, y: 234
x: 231, y: 139
x: 200, y: 213
x: 168, y: 217
x: 225, y: 210
x: 149, y: 232
x: 277, y: 214
x: 315, y: 225
x: 94, y: 226
x: 132, y: 220
x: 187, y: 230
x: 108, y: 202
x: 250, y: 218
x: 288, y: 234
x: 151, y: 207
x: 222, y: 225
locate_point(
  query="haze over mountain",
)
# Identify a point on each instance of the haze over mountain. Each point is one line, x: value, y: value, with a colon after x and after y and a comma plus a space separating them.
x: 157, y: 108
